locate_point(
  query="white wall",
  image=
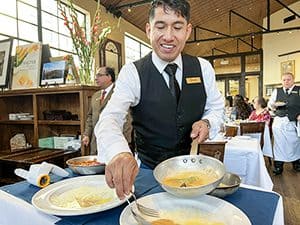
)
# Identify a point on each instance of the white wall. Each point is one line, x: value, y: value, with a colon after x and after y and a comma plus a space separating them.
x: 275, y: 44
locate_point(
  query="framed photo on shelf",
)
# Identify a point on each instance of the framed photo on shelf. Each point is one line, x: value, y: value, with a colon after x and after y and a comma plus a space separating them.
x: 287, y: 67
x: 27, y: 66
x: 72, y: 76
x: 54, y: 73
x: 5, y: 61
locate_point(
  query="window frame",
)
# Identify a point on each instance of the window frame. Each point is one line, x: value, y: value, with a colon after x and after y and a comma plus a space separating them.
x: 139, y: 42
x: 60, y: 50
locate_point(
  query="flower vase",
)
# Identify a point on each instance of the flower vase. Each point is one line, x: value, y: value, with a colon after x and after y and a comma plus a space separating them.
x: 85, y: 74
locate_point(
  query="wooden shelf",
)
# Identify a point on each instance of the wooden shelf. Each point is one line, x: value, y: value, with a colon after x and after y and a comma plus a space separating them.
x: 71, y: 99
x: 59, y: 122
x: 16, y: 122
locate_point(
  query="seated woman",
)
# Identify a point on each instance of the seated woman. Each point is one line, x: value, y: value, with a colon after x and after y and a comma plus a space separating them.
x: 261, y: 113
x: 241, y: 108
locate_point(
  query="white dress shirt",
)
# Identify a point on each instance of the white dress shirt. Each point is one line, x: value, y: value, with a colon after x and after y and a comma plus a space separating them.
x: 107, y: 90
x: 127, y: 92
x: 273, y: 96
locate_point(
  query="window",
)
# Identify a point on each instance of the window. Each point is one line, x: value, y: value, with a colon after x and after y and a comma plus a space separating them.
x: 135, y: 49
x: 36, y: 20
x: 110, y: 55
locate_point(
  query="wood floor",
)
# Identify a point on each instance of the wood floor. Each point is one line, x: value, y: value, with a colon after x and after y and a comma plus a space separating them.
x: 288, y: 185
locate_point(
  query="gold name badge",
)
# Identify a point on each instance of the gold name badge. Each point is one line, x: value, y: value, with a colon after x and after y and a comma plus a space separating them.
x: 193, y: 80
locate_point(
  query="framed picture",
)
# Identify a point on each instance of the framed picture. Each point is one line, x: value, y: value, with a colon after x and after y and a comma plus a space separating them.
x: 288, y: 67
x: 54, y: 73
x: 72, y: 76
x: 5, y: 61
x: 27, y: 66
x: 269, y: 91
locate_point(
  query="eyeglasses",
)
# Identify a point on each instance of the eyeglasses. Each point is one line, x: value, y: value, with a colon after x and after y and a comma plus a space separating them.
x: 101, y: 74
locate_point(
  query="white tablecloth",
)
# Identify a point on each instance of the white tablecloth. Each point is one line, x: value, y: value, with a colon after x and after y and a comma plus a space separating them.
x: 245, y: 158
x: 15, y: 211
x: 267, y: 148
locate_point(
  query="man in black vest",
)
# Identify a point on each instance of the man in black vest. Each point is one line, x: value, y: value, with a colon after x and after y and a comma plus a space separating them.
x: 286, y: 102
x: 173, y: 98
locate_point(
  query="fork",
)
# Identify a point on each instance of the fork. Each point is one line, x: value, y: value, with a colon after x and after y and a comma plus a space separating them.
x: 145, y: 210
x: 137, y: 217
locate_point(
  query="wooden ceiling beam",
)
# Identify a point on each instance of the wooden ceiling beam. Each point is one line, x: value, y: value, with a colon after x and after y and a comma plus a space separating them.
x: 219, y: 50
x: 133, y: 4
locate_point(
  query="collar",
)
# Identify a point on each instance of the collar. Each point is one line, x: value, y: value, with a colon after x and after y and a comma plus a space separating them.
x: 161, y: 64
x: 290, y: 89
x: 108, y: 88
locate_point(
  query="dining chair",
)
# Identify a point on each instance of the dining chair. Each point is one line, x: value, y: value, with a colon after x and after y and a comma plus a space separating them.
x: 254, y: 128
x: 214, y: 149
x: 231, y: 131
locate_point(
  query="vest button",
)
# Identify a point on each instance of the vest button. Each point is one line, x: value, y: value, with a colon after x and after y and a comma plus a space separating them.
x: 181, y: 128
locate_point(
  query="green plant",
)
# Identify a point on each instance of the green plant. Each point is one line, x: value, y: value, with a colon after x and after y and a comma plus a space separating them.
x: 85, y: 46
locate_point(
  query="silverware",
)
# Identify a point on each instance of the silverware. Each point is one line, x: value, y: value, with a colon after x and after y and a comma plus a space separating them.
x: 145, y: 210
x: 140, y: 211
x: 137, y: 217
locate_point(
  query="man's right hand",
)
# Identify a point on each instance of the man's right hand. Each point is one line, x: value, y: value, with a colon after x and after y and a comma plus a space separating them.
x: 85, y: 140
x: 120, y: 173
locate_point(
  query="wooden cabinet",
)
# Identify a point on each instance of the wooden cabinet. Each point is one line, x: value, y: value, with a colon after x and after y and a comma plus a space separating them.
x: 75, y: 99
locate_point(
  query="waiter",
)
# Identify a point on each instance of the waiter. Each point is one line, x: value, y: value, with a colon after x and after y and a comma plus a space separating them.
x: 286, y: 103
x: 173, y: 97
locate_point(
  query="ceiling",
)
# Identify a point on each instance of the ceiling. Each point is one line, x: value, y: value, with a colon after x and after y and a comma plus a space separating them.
x: 212, y: 15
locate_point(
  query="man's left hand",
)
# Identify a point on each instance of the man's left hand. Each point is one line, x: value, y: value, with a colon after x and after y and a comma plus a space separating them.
x: 200, y: 131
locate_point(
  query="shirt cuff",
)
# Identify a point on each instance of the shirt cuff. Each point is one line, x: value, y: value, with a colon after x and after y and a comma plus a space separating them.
x: 114, y: 149
x: 214, y: 127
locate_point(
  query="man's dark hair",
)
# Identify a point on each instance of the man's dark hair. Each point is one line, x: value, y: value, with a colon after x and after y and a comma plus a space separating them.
x: 181, y: 7
x: 111, y: 72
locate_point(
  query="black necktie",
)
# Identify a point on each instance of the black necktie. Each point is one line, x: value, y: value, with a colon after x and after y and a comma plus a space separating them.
x: 173, y: 84
x: 287, y: 91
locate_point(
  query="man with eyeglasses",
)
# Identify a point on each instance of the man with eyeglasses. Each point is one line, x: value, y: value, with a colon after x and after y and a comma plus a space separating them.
x: 105, y: 78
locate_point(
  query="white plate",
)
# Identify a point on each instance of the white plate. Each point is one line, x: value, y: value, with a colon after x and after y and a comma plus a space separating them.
x: 278, y: 104
x: 178, y: 209
x: 41, y: 200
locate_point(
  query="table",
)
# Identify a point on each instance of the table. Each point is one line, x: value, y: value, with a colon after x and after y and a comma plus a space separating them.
x: 23, y: 159
x: 267, y: 148
x: 245, y: 158
x: 262, y: 207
